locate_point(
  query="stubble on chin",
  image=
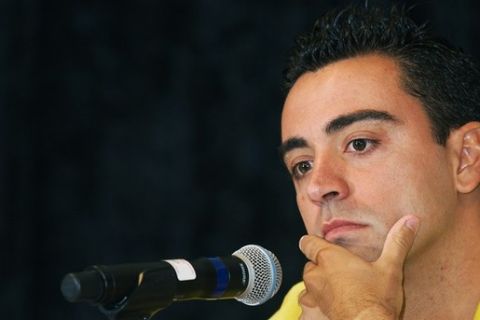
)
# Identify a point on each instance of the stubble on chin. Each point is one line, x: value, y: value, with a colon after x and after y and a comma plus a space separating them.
x: 368, y: 252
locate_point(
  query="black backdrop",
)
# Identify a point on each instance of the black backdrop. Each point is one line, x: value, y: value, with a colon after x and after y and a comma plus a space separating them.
x: 138, y: 130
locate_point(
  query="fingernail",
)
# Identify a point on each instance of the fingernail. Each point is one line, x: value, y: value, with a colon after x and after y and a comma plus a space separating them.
x: 412, y: 223
x: 300, y: 243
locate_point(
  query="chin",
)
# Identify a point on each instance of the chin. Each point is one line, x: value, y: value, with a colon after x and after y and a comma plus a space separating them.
x: 365, y: 251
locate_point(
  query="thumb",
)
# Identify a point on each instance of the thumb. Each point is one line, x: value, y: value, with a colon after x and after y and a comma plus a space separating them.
x: 399, y: 241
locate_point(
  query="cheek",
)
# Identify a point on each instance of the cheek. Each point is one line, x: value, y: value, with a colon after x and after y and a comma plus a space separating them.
x: 434, y: 194
x: 380, y: 187
x: 421, y: 183
x: 384, y: 192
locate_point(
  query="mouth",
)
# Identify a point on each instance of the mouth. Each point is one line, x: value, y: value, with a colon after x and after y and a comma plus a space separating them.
x: 334, y: 229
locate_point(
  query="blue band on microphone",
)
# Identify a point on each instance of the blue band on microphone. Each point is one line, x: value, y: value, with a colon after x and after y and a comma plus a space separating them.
x: 222, y: 276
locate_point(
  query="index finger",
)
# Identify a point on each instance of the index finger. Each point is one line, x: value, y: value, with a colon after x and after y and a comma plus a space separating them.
x: 311, y: 246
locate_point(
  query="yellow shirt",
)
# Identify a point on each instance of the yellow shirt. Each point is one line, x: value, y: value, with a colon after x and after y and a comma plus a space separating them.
x: 291, y: 310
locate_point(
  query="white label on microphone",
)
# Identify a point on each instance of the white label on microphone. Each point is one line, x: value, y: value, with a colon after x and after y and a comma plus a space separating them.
x: 183, y: 268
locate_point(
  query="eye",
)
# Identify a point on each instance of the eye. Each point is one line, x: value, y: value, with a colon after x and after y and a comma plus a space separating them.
x: 361, y: 145
x: 301, y: 168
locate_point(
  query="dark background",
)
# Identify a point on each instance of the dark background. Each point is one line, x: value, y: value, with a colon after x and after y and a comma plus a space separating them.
x: 133, y: 131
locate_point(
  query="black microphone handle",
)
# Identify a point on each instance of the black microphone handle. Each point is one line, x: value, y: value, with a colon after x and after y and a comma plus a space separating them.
x: 156, y: 284
x: 217, y: 278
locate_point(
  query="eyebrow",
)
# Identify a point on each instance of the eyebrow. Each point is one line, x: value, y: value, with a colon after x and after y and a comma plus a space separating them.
x: 345, y: 120
x: 291, y: 144
x: 338, y: 124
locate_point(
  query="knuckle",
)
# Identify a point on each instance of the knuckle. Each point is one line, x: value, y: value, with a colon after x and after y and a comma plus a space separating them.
x: 324, y: 254
x: 310, y: 273
x: 309, y: 266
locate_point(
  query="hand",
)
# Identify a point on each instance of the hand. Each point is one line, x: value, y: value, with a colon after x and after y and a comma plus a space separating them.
x: 345, y: 287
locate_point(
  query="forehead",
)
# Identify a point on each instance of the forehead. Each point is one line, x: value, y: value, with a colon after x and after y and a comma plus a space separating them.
x: 366, y: 82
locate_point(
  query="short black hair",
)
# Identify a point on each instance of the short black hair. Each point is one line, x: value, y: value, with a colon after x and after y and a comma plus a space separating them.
x: 443, y: 77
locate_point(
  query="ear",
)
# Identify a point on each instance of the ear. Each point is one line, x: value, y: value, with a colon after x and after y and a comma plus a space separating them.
x: 465, y: 143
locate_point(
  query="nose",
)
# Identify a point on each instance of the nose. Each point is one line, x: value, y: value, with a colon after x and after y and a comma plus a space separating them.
x: 327, y: 183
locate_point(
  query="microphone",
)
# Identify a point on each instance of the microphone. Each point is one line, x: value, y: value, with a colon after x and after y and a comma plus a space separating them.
x: 251, y: 275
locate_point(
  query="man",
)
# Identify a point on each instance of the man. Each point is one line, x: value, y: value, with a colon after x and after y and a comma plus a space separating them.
x: 381, y: 134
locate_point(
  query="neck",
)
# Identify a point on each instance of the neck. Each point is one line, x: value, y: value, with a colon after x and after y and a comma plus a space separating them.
x: 443, y: 281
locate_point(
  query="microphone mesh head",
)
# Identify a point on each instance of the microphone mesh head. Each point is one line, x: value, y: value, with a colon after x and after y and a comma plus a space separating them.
x: 265, y: 274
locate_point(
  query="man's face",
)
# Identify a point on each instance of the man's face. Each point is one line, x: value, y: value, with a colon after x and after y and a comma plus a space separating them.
x: 362, y: 154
